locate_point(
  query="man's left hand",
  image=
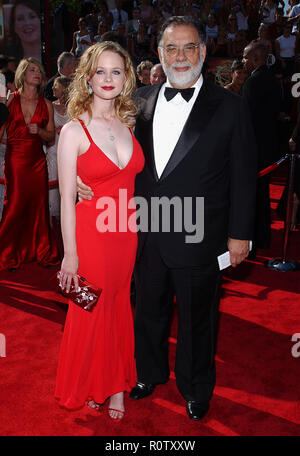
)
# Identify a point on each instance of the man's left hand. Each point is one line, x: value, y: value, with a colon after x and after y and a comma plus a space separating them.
x: 238, y: 249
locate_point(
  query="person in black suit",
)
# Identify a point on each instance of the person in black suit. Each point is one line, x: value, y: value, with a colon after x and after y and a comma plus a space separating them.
x: 66, y: 64
x: 198, y: 142
x: 263, y: 93
x: 3, y: 113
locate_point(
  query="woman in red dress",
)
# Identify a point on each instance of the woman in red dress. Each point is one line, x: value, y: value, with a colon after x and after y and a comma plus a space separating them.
x: 25, y: 233
x: 97, y: 352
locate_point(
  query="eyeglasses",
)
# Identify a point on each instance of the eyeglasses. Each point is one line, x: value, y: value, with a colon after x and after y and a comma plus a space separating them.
x: 188, y: 49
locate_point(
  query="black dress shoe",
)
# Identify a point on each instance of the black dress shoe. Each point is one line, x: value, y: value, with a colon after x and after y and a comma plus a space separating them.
x: 141, y: 390
x: 196, y: 410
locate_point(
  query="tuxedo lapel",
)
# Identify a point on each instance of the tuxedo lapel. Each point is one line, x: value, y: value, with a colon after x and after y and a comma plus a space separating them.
x: 204, y: 107
x: 147, y: 108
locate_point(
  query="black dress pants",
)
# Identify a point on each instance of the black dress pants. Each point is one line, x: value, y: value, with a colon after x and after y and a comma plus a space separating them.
x: 197, y: 293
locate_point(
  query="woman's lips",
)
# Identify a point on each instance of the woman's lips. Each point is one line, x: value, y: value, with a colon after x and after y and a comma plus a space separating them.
x: 108, y: 88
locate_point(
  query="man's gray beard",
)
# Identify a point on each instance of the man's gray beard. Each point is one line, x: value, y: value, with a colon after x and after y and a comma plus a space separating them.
x: 182, y: 79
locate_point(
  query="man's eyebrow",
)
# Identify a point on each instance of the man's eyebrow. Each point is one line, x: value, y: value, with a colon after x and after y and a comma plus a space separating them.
x: 185, y: 44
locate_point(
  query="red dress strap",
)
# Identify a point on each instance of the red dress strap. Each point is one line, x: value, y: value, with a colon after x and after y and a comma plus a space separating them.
x: 85, y: 129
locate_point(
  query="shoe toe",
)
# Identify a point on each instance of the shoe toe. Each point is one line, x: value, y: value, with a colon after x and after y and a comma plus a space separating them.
x: 141, y: 390
x: 196, y: 410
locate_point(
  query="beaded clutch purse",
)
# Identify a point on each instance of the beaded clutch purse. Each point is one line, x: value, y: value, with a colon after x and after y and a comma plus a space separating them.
x: 86, y: 296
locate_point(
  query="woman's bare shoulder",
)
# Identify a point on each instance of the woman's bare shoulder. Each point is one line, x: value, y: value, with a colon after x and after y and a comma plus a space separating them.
x: 72, y: 127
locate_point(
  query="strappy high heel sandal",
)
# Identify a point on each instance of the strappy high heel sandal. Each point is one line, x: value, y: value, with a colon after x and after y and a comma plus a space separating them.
x: 93, y: 405
x: 117, y: 418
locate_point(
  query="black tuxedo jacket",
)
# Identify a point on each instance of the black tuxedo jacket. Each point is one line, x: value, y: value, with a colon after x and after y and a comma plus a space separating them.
x: 263, y: 93
x: 48, y: 89
x: 3, y: 113
x: 215, y: 158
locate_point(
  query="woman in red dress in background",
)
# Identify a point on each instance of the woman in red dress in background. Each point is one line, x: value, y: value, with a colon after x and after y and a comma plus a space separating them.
x: 97, y: 352
x: 25, y: 233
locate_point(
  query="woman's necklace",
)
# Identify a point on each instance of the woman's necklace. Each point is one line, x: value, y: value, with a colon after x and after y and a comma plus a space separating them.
x: 111, y: 136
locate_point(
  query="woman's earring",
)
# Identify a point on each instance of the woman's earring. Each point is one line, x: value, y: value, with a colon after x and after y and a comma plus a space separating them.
x: 90, y: 89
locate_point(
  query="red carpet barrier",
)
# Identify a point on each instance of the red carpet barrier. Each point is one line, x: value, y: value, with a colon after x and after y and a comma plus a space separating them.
x: 282, y: 264
x: 53, y: 184
x: 271, y: 168
x: 275, y: 264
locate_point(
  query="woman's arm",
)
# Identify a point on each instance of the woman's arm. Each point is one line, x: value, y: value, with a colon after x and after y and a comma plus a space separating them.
x: 48, y: 133
x: 74, y: 44
x: 67, y: 152
x: 2, y: 129
x: 277, y: 50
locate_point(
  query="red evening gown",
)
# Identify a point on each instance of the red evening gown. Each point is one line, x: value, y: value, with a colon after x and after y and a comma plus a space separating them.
x: 97, y: 352
x: 25, y: 233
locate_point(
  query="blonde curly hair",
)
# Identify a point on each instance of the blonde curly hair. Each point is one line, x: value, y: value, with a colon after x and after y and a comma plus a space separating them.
x: 79, y: 97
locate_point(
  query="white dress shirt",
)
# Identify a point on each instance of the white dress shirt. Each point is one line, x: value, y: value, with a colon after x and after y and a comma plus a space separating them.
x: 168, y: 122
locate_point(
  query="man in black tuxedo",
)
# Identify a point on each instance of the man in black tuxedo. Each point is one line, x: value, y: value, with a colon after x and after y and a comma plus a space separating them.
x: 198, y: 142
x: 263, y: 93
x: 197, y: 147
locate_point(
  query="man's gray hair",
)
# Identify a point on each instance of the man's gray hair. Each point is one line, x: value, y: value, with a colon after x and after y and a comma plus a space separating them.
x: 183, y: 20
x: 63, y: 59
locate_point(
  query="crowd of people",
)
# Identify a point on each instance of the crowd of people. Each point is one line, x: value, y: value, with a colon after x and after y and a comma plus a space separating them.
x: 89, y: 127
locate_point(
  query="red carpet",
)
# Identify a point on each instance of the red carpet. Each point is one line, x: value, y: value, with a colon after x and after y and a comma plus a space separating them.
x: 257, y: 390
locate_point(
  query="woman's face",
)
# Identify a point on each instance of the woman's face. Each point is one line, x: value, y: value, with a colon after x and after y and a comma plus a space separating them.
x: 27, y: 24
x: 82, y: 25
x: 240, y: 76
x: 144, y: 77
x: 33, y: 75
x: 57, y: 90
x: 232, y: 21
x: 109, y: 79
x: 211, y: 20
x: 102, y: 28
x: 262, y: 33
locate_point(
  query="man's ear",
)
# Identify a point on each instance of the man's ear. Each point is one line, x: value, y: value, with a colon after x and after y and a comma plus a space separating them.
x: 203, y: 52
x: 159, y: 54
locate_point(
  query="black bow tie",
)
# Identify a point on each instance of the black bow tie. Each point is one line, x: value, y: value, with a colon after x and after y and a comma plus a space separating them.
x: 187, y: 94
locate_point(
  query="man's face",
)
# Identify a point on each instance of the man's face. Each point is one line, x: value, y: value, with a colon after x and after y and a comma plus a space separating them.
x: 181, y: 55
x: 157, y: 75
x: 248, y: 60
x: 69, y: 68
x: 136, y: 14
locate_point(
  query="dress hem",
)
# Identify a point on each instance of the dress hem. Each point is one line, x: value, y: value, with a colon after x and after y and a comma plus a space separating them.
x: 90, y: 398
